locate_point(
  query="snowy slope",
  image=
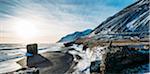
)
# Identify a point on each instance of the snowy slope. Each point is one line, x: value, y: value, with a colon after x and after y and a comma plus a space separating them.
x: 134, y: 18
x: 74, y: 36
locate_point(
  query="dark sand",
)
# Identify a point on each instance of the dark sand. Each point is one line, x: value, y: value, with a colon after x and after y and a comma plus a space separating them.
x: 49, y: 62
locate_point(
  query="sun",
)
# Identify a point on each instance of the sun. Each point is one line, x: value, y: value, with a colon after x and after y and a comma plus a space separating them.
x: 26, y: 29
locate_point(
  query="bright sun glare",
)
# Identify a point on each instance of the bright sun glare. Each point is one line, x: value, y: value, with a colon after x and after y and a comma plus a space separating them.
x: 26, y: 29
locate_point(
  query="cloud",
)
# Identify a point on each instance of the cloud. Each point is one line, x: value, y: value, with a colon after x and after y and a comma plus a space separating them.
x: 57, y: 18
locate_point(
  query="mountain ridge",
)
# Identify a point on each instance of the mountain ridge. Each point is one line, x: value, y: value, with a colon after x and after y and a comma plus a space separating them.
x: 73, y: 36
x: 130, y: 19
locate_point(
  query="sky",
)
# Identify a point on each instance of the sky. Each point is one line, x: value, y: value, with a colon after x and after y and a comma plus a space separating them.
x: 46, y: 21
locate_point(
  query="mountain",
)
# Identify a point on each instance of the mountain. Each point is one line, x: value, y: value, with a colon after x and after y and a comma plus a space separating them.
x: 134, y: 19
x: 124, y: 35
x: 74, y: 36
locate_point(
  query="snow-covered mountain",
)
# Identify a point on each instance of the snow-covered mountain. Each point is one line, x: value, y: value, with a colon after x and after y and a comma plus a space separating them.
x: 134, y: 19
x: 131, y: 21
x: 74, y: 36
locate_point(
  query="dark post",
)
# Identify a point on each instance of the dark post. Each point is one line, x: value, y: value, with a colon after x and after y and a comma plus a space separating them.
x: 32, y: 49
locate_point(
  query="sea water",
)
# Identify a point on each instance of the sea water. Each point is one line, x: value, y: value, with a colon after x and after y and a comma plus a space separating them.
x: 13, y: 51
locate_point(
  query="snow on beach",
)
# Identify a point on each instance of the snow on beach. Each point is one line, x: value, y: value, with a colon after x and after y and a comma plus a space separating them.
x: 95, y: 54
x: 83, y: 66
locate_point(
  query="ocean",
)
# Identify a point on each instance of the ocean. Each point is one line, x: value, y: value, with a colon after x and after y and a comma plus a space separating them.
x: 13, y: 51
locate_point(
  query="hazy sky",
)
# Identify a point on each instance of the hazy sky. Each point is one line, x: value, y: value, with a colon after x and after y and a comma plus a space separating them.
x: 47, y: 21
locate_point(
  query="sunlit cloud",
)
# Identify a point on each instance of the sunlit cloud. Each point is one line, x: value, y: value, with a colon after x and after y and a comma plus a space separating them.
x: 52, y: 19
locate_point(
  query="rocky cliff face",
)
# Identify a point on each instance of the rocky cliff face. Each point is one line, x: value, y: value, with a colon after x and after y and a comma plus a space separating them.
x: 127, y: 60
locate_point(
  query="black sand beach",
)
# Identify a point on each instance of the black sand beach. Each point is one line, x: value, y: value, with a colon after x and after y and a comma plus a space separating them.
x: 49, y: 62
